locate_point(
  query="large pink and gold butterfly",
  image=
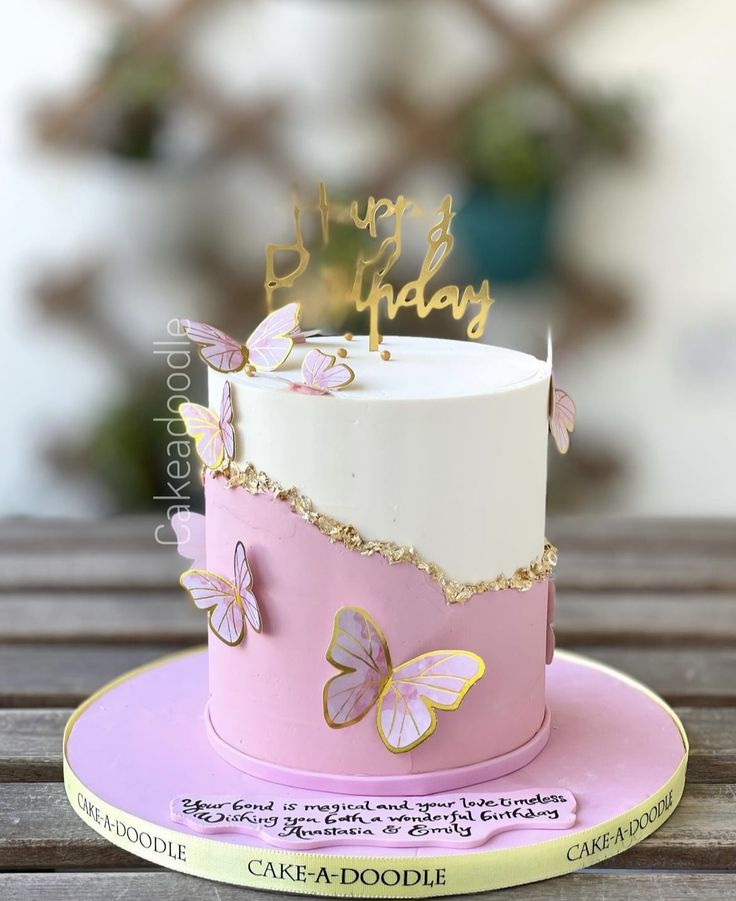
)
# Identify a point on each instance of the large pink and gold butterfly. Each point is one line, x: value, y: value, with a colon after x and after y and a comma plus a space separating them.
x: 561, y: 416
x: 406, y: 697
x: 265, y: 350
x: 228, y: 603
x: 214, y: 436
x: 322, y: 374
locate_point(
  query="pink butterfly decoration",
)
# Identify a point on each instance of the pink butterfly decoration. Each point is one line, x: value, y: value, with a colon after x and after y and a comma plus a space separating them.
x: 190, y: 537
x: 406, y: 697
x: 322, y: 374
x: 266, y: 349
x: 561, y: 416
x: 214, y: 436
x: 228, y: 603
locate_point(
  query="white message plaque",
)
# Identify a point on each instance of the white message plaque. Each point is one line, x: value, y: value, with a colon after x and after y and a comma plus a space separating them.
x: 460, y: 820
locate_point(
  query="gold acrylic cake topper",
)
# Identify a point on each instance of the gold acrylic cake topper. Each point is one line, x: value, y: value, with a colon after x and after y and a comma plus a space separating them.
x: 369, y: 288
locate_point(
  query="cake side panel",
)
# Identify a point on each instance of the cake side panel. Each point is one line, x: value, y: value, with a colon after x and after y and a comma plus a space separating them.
x: 463, y: 480
x: 266, y: 694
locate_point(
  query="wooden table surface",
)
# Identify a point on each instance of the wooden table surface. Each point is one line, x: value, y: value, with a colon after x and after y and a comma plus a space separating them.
x: 83, y: 602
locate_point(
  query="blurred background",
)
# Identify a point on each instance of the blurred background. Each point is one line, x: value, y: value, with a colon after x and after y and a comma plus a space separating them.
x: 150, y: 149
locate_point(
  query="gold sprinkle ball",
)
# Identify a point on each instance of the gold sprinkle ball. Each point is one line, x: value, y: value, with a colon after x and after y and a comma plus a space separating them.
x: 385, y: 354
x: 348, y: 336
x: 341, y: 352
x: 250, y: 370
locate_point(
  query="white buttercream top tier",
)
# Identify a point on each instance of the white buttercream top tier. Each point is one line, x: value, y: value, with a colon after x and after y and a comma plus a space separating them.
x: 443, y: 447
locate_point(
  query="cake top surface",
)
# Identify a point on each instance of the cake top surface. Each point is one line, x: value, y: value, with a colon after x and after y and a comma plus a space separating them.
x: 419, y: 368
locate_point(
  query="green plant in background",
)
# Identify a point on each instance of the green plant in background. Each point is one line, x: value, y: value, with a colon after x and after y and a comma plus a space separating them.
x: 505, y: 148
x: 142, y: 88
x: 127, y: 450
x: 518, y: 148
x: 525, y: 139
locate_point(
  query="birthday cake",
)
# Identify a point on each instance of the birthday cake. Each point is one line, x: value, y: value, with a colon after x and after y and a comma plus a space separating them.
x: 380, y: 711
x: 376, y: 574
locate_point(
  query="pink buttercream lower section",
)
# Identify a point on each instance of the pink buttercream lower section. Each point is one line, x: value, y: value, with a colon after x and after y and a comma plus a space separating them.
x: 266, y: 694
x: 416, y: 784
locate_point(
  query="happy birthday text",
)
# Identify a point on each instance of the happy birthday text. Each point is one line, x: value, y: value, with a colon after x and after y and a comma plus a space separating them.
x: 370, y: 288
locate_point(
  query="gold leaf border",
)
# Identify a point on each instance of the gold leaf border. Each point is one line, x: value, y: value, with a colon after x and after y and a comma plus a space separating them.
x: 257, y: 482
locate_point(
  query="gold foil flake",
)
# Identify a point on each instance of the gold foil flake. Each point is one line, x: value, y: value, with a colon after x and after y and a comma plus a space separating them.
x: 256, y: 482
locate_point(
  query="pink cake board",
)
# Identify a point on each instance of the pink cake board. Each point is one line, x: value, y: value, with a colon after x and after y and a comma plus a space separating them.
x: 141, y: 742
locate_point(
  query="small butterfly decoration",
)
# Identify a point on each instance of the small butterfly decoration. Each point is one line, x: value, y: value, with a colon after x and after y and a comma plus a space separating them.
x: 406, y: 697
x: 265, y: 350
x: 228, y: 603
x: 561, y: 416
x: 214, y: 436
x: 561, y: 411
x: 322, y: 374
